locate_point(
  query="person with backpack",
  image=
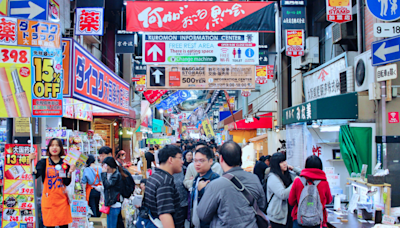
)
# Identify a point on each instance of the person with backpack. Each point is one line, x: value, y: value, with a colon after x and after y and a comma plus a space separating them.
x: 91, y: 177
x: 279, y: 184
x: 309, y: 195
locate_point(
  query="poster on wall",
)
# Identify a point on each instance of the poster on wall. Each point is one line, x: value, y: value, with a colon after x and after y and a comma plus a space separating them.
x: 339, y: 11
x: 18, y: 198
x: 66, y: 63
x: 263, y: 73
x: 141, y: 83
x: 54, y: 11
x: 295, y: 43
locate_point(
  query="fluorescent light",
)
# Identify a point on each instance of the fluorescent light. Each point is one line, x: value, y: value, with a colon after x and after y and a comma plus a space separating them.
x: 329, y: 128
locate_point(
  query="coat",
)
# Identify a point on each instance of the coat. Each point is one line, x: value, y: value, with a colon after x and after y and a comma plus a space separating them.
x: 111, y: 187
x: 191, y: 172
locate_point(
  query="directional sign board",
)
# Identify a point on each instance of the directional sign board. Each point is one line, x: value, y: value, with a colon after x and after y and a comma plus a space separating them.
x: 386, y: 51
x: 30, y: 9
x: 385, y: 10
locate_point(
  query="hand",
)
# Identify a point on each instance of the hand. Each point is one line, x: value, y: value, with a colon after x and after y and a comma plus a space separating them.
x: 137, y: 206
x: 202, y: 184
x: 32, y: 156
x: 72, y: 168
x: 104, y: 168
x: 290, y: 167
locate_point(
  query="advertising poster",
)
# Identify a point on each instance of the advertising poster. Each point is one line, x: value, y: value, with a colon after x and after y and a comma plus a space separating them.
x: 39, y: 33
x: 15, y: 81
x: 18, y: 198
x: 339, y: 11
x: 66, y: 63
x: 54, y: 11
x: 141, y: 84
x: 158, y: 141
x: 68, y: 109
x: 47, y: 82
x: 174, y: 99
x: 153, y: 95
x: 200, y: 77
x: 215, y: 16
x: 201, y: 48
x: 3, y: 7
x: 294, y: 43
x: 208, y: 128
x: 89, y: 21
x: 261, y: 74
x: 246, y: 92
x: 83, y: 111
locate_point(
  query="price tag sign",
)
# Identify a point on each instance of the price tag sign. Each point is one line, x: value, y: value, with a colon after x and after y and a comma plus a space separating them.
x: 388, y: 220
x: 26, y: 191
x: 386, y: 29
x: 26, y: 205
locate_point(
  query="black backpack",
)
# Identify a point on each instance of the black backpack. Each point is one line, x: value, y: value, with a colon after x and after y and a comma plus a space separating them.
x: 127, y: 185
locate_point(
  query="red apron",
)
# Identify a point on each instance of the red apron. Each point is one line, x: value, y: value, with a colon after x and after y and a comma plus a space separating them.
x: 56, y: 210
x: 89, y: 186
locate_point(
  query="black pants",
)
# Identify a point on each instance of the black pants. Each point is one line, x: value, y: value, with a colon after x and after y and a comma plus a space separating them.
x: 289, y: 221
x: 64, y: 226
x: 120, y: 222
x: 94, y: 199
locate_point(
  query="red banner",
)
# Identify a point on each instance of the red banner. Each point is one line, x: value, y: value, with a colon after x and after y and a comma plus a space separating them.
x: 153, y: 95
x: 193, y: 16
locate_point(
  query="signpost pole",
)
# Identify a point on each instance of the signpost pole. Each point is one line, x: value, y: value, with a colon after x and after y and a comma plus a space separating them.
x: 278, y: 40
x: 383, y: 92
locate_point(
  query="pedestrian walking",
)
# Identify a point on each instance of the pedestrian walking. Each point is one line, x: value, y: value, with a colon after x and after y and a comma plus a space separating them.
x: 91, y: 177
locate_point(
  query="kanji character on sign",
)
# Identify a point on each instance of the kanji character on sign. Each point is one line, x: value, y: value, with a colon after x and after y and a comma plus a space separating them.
x: 89, y: 20
x: 7, y: 30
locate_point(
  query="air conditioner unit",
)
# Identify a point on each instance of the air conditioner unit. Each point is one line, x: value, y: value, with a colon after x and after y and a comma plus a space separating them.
x: 311, y: 54
x: 344, y: 33
x: 69, y: 32
x: 346, y: 80
x: 363, y: 71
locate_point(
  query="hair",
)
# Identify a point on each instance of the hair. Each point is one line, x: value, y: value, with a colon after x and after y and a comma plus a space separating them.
x: 168, y: 151
x: 207, y: 152
x: 90, y: 160
x: 275, y: 161
x: 314, y: 161
x: 151, y: 148
x: 157, y: 146
x: 60, y: 144
x: 212, y: 141
x: 262, y: 159
x: 105, y: 150
x: 110, y: 161
x: 201, y: 143
x: 231, y: 153
x: 120, y: 153
x: 268, y: 157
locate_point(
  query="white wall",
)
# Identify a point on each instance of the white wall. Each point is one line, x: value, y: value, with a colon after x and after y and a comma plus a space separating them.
x: 65, y: 16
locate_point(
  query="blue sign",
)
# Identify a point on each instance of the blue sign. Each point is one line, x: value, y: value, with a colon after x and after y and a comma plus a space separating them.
x: 29, y: 9
x: 385, y: 51
x: 175, y: 99
x: 385, y: 10
x: 249, y: 52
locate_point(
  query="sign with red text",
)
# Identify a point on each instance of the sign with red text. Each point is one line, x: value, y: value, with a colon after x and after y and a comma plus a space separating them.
x: 96, y: 84
x: 393, y: 117
x: 8, y: 31
x: 295, y: 43
x: 89, y: 21
x: 153, y: 95
x: 201, y: 48
x: 18, y: 197
x: 141, y: 83
x: 191, y: 16
x: 263, y: 73
x: 67, y: 44
x: 246, y: 92
x: 339, y: 11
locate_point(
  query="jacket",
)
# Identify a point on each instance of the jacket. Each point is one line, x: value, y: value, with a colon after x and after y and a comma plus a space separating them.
x: 224, y: 206
x: 278, y: 205
x: 210, y: 175
x: 323, y: 190
x: 191, y: 172
x: 183, y: 193
x: 259, y: 170
x: 111, y: 187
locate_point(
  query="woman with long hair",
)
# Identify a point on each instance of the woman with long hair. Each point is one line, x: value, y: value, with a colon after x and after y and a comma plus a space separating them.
x: 112, y: 176
x: 279, y: 184
x: 120, y: 158
x: 91, y: 177
x: 313, y: 174
x: 55, y: 174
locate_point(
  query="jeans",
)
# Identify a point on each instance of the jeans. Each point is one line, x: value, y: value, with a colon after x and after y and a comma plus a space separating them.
x: 112, y: 217
x: 144, y: 223
x: 94, y: 200
x: 296, y: 225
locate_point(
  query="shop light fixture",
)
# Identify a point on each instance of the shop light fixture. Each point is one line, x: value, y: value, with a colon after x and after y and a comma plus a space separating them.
x: 120, y: 132
x: 277, y: 129
x: 161, y: 110
x: 333, y: 128
x: 115, y: 123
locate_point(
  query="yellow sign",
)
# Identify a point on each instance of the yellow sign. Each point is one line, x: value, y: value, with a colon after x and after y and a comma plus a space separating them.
x: 21, y: 125
x: 3, y: 7
x: 208, y: 130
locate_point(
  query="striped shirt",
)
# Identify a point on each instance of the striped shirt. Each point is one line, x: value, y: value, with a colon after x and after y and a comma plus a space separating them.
x: 162, y: 197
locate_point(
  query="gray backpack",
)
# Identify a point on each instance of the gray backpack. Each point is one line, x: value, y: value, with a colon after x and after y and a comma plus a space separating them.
x: 310, y: 210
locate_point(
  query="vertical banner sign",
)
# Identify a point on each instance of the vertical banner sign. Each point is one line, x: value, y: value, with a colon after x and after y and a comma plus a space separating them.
x: 294, y: 43
x: 175, y: 99
x: 89, y: 21
x: 8, y: 31
x: 261, y: 74
x: 124, y: 42
x: 153, y: 95
x: 18, y: 199
x: 293, y: 17
x: 47, y: 84
x: 66, y: 63
x: 208, y: 129
x: 340, y: 11
x: 54, y: 11
x: 141, y: 84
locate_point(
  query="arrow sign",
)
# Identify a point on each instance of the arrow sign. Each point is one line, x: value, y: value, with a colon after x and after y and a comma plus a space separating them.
x: 386, y: 51
x: 154, y: 50
x: 157, y: 75
x: 30, y: 9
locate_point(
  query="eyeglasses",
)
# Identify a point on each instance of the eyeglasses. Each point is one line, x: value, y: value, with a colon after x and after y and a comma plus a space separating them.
x: 199, y: 160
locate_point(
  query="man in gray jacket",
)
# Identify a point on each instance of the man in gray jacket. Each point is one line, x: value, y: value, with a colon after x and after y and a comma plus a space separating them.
x: 222, y: 204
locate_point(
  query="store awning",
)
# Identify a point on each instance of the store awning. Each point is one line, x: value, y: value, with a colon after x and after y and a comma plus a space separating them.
x: 265, y: 121
x: 258, y: 138
x: 344, y: 106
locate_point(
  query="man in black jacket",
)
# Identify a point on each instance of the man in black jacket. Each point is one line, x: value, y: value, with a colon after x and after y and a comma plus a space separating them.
x: 261, y: 166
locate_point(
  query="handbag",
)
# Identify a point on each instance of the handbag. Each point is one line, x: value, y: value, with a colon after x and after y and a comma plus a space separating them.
x: 261, y: 218
x: 105, y: 209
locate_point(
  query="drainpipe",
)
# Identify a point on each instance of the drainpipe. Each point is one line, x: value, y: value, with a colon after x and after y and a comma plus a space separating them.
x: 245, y: 101
x: 359, y: 27
x: 278, y: 64
x: 383, y: 100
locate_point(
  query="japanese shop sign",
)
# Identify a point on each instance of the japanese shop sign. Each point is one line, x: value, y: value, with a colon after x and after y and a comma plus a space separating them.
x: 89, y: 21
x: 294, y: 43
x: 200, y: 77
x: 263, y: 73
x: 393, y: 117
x: 8, y: 30
x: 208, y: 128
x: 246, y: 92
x: 293, y: 2
x: 68, y: 110
x: 124, y: 42
x: 67, y: 44
x: 153, y: 95
x: 83, y: 111
x: 339, y: 11
x: 175, y: 99
x: 300, y: 113
x: 207, y: 16
x: 139, y: 68
x: 39, y: 33
x: 96, y: 84
x: 201, y: 48
x: 141, y: 83
x: 18, y: 198
x: 324, y: 82
x: 386, y: 72
x: 293, y: 17
x: 263, y: 56
x: 158, y: 141
x: 47, y: 82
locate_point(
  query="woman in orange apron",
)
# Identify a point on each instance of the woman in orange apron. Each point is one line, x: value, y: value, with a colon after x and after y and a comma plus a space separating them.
x: 91, y: 177
x: 56, y: 210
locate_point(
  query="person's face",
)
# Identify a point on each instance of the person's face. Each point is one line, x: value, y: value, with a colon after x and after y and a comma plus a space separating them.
x: 283, y: 166
x: 201, y: 163
x: 142, y: 186
x: 267, y: 162
x: 123, y: 157
x: 54, y: 148
x: 177, y: 163
x: 103, y: 156
x: 189, y: 156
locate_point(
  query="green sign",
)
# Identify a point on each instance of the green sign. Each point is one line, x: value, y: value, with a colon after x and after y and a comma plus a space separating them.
x: 344, y: 106
x: 158, y: 141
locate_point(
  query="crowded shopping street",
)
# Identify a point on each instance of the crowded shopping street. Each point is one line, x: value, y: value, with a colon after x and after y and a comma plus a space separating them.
x: 199, y: 114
